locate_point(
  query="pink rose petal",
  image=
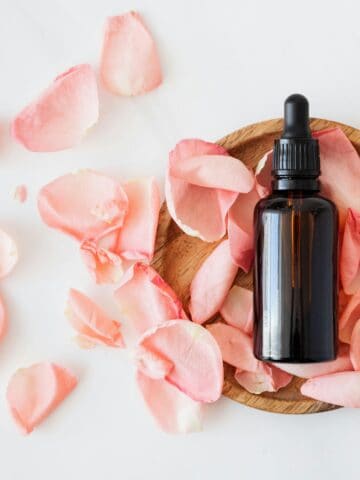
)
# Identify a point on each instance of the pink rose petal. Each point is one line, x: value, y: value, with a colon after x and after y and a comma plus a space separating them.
x: 195, y: 355
x: 20, y: 193
x: 152, y: 364
x: 84, y: 205
x: 3, y: 319
x: 104, y: 265
x: 212, y: 283
x: 309, y: 370
x: 8, y: 254
x: 348, y: 317
x: 90, y: 321
x: 146, y: 300
x: 340, y: 170
x: 263, y: 174
x: 201, y: 185
x: 240, y: 226
x: 266, y: 378
x: 130, y: 63
x: 173, y: 411
x: 63, y: 113
x: 34, y: 392
x: 237, y: 310
x: 136, y: 239
x: 355, y: 346
x: 236, y: 346
x: 350, y: 253
x: 342, y: 388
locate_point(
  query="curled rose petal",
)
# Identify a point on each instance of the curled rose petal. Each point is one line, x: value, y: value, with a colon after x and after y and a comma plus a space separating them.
x: 348, y: 317
x: 263, y: 174
x: 8, y: 254
x: 236, y: 346
x: 152, y: 364
x: 3, y: 319
x: 340, y: 170
x: 350, y: 253
x: 240, y: 227
x: 355, y: 346
x: 195, y: 355
x: 237, y: 310
x: 173, y: 411
x: 63, y: 113
x: 309, y: 370
x: 266, y: 378
x: 202, y: 183
x: 145, y: 299
x: 136, y: 240
x: 90, y: 321
x: 34, y: 392
x: 20, y: 193
x: 104, y: 265
x: 211, y: 283
x: 342, y: 388
x: 130, y: 63
x: 84, y: 205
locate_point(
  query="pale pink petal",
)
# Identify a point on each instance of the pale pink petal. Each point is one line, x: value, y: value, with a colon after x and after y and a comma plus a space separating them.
x: 173, y: 411
x: 355, y: 346
x: 84, y: 205
x: 342, y: 388
x: 84, y: 343
x: 266, y: 378
x: 240, y: 227
x: 146, y: 300
x: 34, y: 392
x: 309, y: 370
x: 130, y: 62
x: 195, y: 355
x: 136, y: 239
x: 91, y: 321
x: 236, y: 346
x: 340, y: 170
x: 8, y: 254
x: 349, y: 316
x: 212, y: 283
x: 237, y: 310
x: 202, y: 183
x: 151, y: 363
x: 20, y: 193
x: 263, y: 174
x: 104, y: 265
x: 3, y: 319
x: 63, y: 113
x: 350, y: 253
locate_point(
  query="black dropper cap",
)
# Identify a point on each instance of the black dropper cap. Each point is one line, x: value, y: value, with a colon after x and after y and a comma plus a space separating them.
x: 296, y: 153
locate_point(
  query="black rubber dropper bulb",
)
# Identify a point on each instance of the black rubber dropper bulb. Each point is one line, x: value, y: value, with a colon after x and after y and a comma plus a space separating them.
x: 296, y: 117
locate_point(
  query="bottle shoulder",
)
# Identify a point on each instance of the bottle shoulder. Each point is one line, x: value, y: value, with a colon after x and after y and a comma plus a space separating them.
x: 291, y: 201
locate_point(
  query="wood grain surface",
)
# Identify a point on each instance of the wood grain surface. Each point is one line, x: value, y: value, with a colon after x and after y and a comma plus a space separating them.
x: 178, y: 256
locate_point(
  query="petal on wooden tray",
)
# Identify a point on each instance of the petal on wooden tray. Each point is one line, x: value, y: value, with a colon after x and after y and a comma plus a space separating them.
x: 212, y: 283
x: 202, y: 183
x: 196, y: 358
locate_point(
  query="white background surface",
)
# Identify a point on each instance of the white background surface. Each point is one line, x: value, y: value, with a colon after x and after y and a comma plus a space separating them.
x: 226, y: 64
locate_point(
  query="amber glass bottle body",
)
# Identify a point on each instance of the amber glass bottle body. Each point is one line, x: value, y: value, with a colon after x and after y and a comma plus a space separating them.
x: 295, y: 277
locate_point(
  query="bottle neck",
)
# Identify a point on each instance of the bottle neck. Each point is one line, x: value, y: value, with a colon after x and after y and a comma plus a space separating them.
x: 309, y: 184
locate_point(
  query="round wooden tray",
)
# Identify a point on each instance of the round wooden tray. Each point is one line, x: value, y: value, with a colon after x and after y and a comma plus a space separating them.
x: 178, y: 256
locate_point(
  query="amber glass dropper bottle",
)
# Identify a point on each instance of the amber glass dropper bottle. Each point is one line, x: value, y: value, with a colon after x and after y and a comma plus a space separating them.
x: 296, y: 248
